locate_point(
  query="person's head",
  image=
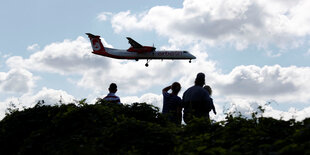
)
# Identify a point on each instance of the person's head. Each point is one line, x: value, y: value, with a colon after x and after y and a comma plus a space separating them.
x: 200, y: 79
x: 175, y: 87
x: 208, y: 88
x: 113, y: 88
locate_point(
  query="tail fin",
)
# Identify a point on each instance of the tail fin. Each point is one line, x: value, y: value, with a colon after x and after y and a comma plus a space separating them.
x: 96, y: 44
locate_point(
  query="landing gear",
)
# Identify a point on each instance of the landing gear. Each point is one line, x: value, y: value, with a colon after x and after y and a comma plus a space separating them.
x: 147, y: 62
x: 190, y: 61
x: 137, y: 59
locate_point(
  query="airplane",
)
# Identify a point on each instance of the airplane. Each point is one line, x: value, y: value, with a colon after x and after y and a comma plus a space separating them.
x: 136, y: 51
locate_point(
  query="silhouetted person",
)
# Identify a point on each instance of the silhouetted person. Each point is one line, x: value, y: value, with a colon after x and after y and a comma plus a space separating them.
x: 111, y: 97
x: 172, y: 103
x: 209, y: 89
x: 196, y: 100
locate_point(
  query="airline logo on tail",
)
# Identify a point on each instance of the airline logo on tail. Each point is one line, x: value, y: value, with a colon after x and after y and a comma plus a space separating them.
x: 95, y: 42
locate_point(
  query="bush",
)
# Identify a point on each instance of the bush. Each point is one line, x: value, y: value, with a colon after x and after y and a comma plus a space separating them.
x: 105, y: 128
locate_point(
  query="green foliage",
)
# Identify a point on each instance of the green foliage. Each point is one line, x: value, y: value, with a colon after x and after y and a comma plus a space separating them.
x: 139, y: 128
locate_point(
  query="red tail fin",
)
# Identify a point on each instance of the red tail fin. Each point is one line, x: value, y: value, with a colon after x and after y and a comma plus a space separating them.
x: 96, y: 44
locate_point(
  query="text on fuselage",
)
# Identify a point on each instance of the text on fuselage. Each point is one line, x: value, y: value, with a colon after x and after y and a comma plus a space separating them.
x: 168, y: 53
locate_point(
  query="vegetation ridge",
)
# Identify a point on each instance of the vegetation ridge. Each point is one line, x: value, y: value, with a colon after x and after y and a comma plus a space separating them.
x: 139, y: 128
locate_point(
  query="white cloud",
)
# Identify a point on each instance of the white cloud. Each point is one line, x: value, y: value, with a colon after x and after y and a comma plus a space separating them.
x: 5, y: 55
x: 104, y: 16
x: 301, y: 114
x: 149, y: 98
x: 50, y: 97
x: 247, y: 107
x: 273, y: 54
x: 243, y: 106
x: 67, y: 57
x: 33, y: 47
x: 284, y: 84
x: 16, y: 81
x: 241, y: 22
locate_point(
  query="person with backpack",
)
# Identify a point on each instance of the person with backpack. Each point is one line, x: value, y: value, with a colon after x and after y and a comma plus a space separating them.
x: 196, y: 101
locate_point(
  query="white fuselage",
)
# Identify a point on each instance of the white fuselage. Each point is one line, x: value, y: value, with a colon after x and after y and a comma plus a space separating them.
x: 124, y: 54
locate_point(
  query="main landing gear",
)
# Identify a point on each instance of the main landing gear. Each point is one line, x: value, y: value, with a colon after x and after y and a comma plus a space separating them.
x: 147, y: 62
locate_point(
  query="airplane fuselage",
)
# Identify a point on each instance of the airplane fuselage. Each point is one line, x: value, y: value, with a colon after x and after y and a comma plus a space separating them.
x: 124, y: 54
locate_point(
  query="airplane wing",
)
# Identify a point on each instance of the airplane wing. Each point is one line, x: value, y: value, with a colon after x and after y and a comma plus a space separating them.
x: 133, y: 43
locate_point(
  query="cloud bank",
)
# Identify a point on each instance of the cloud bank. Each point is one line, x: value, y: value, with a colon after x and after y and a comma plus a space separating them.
x: 50, y: 97
x: 240, y: 22
x: 73, y: 57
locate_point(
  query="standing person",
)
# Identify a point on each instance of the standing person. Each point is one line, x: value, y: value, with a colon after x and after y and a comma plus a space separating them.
x: 111, y: 97
x: 196, y: 100
x: 209, y: 89
x: 172, y: 103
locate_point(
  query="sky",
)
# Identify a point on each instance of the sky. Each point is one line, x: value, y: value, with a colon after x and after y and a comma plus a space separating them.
x: 253, y: 52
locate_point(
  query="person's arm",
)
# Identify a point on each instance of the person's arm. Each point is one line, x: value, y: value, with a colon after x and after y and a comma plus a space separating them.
x: 166, y: 89
x: 212, y: 106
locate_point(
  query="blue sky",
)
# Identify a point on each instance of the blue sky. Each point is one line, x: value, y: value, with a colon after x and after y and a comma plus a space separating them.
x: 252, y: 52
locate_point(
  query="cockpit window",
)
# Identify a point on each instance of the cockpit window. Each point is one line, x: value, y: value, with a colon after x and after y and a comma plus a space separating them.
x: 185, y: 52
